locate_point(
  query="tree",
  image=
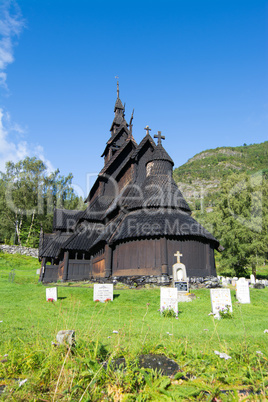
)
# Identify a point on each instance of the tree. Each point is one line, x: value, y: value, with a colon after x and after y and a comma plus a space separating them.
x: 28, y: 195
x: 240, y: 222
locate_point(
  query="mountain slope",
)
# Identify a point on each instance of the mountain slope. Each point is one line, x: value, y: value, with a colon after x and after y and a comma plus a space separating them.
x: 202, y: 175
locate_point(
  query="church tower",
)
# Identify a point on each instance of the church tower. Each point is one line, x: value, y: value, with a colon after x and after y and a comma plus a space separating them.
x: 119, y: 130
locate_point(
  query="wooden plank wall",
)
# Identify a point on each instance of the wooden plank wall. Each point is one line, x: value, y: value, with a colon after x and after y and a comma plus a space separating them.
x: 198, y: 257
x: 78, y: 270
x: 98, y: 266
x: 138, y: 257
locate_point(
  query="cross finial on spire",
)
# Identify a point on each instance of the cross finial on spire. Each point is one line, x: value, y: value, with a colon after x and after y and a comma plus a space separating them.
x: 159, y: 136
x: 116, y: 77
x: 147, y: 130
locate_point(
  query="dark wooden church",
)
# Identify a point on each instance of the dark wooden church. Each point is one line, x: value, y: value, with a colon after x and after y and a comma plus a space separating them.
x: 135, y: 221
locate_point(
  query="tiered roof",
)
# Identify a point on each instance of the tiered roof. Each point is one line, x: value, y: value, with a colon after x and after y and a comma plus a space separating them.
x: 152, y: 198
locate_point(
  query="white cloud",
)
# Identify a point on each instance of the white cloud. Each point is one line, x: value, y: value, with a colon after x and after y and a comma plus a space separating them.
x: 13, y: 146
x: 17, y: 149
x: 11, y: 24
x: 39, y: 153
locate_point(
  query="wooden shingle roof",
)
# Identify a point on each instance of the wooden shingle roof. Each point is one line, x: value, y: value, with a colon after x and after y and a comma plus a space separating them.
x: 159, y: 222
x: 84, y: 237
x: 64, y: 219
x: 55, y: 244
x: 161, y: 154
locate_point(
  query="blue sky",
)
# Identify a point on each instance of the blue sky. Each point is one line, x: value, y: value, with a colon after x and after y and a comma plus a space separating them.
x: 195, y: 70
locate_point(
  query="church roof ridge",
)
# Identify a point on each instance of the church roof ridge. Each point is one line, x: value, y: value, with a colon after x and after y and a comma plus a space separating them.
x: 114, y: 157
x: 141, y: 144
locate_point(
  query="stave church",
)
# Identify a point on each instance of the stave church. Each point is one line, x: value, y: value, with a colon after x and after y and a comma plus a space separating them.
x: 135, y: 221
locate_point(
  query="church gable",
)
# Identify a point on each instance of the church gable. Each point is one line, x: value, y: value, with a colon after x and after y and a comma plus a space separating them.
x: 115, y: 142
x: 142, y: 155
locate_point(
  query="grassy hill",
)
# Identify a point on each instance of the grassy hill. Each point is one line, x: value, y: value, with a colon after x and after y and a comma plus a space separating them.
x: 34, y: 369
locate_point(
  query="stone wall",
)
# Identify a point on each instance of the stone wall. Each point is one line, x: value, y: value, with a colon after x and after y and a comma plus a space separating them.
x: 164, y: 280
x: 31, y: 252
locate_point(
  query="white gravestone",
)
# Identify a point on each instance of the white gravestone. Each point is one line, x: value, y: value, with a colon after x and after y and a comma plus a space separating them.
x: 179, y: 269
x: 103, y: 292
x: 169, y: 299
x: 220, y: 300
x: 242, y: 291
x: 224, y: 282
x: 52, y: 293
x: 252, y: 279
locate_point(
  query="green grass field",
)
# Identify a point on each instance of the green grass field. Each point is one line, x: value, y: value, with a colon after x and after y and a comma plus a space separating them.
x: 29, y: 325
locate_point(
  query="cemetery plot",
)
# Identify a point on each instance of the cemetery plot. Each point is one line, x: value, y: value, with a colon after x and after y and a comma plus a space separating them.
x: 220, y: 300
x: 51, y: 294
x: 242, y: 291
x: 103, y: 292
x: 169, y: 299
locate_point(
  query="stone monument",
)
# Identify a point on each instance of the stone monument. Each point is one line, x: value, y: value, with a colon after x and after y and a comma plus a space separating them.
x: 179, y: 269
x: 242, y: 291
x: 180, y: 280
x: 220, y: 300
x: 51, y: 294
x: 103, y: 292
x: 169, y: 299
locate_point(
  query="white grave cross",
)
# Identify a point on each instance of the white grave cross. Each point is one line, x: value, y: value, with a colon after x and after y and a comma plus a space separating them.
x: 179, y: 269
x: 178, y: 255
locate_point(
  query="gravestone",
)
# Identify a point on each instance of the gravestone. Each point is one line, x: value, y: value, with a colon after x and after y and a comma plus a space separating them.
x: 179, y: 269
x: 183, y: 291
x: 220, y: 300
x: 169, y: 299
x: 38, y: 271
x: 52, y: 293
x: 252, y: 279
x: 242, y: 291
x: 224, y: 282
x: 103, y: 292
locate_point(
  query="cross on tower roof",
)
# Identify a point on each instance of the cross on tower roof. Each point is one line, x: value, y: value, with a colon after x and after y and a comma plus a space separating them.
x: 147, y: 130
x: 159, y: 136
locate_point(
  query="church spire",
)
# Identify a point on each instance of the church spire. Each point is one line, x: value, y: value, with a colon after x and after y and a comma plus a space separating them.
x: 118, y: 107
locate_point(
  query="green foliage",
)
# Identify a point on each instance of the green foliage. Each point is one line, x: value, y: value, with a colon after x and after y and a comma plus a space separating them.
x: 235, y: 209
x: 168, y: 313
x: 28, y: 194
x: 225, y: 313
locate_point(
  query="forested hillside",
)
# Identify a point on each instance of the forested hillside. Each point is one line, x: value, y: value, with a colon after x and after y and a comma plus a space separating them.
x: 227, y: 190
